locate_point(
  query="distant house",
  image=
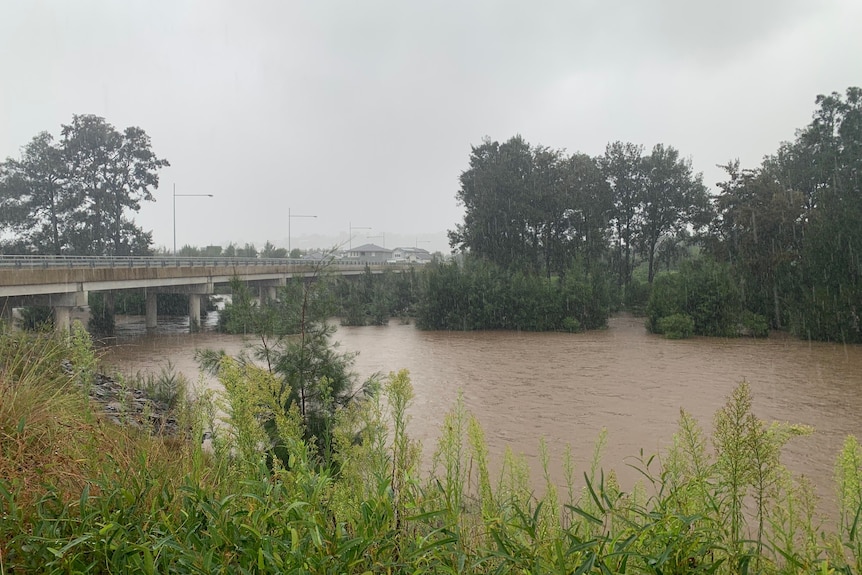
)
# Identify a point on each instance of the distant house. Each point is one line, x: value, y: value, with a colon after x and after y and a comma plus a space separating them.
x: 411, y: 255
x: 369, y: 253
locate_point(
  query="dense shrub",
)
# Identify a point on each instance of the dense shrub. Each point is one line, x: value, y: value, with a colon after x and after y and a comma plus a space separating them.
x: 676, y: 326
x: 102, y: 320
x: 36, y: 318
x: 828, y: 313
x: 482, y: 295
x: 705, y: 291
x: 371, y: 299
x: 753, y: 324
x: 637, y: 296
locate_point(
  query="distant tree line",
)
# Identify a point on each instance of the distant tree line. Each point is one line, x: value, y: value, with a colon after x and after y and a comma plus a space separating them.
x: 580, y: 222
x: 232, y: 250
x: 783, y: 240
x: 538, y: 209
x: 780, y: 243
x: 790, y: 228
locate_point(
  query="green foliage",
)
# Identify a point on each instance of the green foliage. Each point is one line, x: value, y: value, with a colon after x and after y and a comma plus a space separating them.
x: 571, y: 325
x: 705, y: 292
x: 36, y: 318
x: 294, y: 344
x: 828, y: 159
x: 373, y: 298
x: 102, y: 321
x: 753, y: 324
x: 676, y: 326
x: 481, y: 295
x: 535, y: 210
x: 270, y: 251
x: 167, y: 386
x: 74, y: 196
x: 790, y: 227
x: 848, y: 477
x: 636, y: 296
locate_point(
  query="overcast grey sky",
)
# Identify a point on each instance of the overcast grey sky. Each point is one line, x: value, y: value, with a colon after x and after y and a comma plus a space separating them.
x: 364, y: 111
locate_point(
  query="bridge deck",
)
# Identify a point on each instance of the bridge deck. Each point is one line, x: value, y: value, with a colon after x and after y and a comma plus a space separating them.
x: 39, y: 275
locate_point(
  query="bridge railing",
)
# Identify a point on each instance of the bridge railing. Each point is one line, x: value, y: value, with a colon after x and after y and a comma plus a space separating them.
x: 46, y: 262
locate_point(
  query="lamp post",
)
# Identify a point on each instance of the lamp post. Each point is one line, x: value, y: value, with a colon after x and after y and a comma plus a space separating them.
x: 350, y: 228
x: 290, y: 217
x: 176, y: 195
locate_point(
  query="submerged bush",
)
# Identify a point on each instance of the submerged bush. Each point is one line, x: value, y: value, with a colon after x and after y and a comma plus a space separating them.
x: 676, y: 326
x: 481, y: 295
x: 706, y: 292
x: 753, y: 324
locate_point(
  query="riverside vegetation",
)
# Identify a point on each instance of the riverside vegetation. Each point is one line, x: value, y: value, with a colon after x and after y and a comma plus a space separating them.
x: 79, y: 494
x: 773, y: 247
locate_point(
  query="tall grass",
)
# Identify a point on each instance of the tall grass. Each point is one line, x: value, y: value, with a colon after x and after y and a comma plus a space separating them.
x: 79, y: 495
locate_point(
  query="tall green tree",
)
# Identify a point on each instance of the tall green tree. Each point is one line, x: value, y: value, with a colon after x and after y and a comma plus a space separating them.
x: 35, y: 197
x: 546, y: 225
x: 495, y: 192
x: 588, y: 205
x: 758, y: 228
x: 672, y: 197
x: 76, y: 195
x: 294, y: 342
x: 112, y: 173
x: 532, y: 208
x: 824, y: 163
x: 622, y: 166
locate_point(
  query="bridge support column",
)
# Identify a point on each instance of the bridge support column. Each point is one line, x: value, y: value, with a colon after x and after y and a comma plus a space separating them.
x: 194, y: 312
x: 152, y: 311
x: 267, y: 290
x: 63, y: 304
x: 62, y: 318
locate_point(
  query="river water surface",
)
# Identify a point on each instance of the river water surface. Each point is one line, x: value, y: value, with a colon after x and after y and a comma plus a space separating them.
x: 566, y: 388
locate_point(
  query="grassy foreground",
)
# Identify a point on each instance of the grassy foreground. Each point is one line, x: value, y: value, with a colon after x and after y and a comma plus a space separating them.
x: 80, y: 495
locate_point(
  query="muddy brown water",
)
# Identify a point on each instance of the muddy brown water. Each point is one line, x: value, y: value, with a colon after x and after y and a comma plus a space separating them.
x: 566, y: 388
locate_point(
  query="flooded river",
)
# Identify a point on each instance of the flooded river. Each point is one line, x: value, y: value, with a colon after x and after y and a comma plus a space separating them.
x: 566, y: 388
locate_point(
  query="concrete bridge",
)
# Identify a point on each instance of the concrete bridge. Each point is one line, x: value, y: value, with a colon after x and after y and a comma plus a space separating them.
x: 63, y: 282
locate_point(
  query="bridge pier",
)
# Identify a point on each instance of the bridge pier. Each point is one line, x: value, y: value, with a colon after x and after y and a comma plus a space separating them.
x: 61, y: 304
x: 194, y: 291
x: 194, y: 312
x: 152, y: 308
x: 62, y: 318
x: 268, y: 289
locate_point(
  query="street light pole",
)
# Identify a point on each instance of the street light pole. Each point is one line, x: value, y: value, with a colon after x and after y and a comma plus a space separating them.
x: 350, y: 228
x: 289, y: 217
x: 176, y: 195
